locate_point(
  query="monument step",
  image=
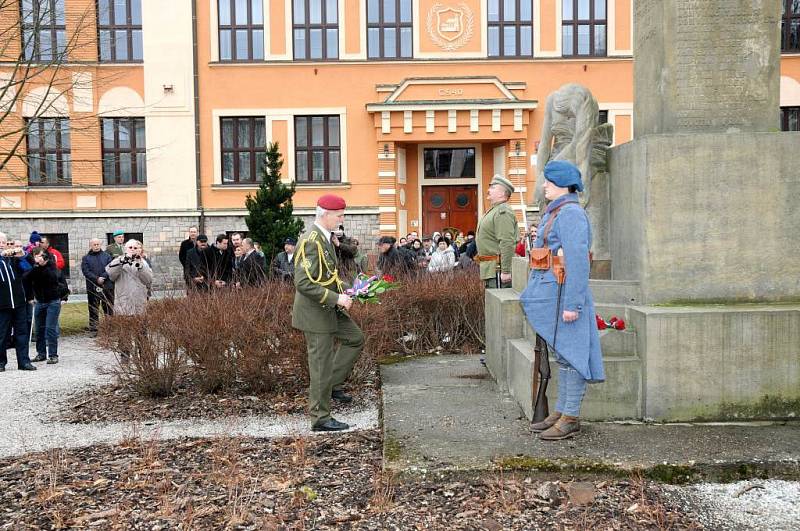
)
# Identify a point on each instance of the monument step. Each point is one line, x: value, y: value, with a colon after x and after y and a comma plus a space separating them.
x: 623, y: 292
x: 615, y: 343
x: 619, y: 397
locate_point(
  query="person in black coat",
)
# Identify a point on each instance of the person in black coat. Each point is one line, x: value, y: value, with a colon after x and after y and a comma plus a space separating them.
x: 50, y: 291
x: 200, y: 265
x: 99, y: 288
x: 13, y: 308
x: 251, y: 270
x: 222, y: 262
x: 186, y: 246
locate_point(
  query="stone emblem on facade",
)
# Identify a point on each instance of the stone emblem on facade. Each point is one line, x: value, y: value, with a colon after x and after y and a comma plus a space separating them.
x: 450, y: 26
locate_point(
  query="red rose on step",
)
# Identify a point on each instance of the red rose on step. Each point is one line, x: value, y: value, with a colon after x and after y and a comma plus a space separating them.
x: 601, y: 325
x: 619, y: 324
x: 613, y: 320
x: 388, y: 278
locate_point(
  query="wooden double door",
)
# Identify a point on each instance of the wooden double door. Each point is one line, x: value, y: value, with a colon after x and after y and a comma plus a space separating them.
x: 449, y: 206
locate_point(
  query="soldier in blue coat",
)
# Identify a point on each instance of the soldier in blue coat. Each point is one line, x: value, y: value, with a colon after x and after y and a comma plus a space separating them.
x: 568, y: 326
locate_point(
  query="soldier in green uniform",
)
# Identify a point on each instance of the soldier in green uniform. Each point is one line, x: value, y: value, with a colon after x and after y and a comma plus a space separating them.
x: 320, y: 311
x: 118, y: 247
x: 497, y: 235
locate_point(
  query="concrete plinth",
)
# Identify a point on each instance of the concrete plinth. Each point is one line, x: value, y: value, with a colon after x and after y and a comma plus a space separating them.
x: 707, y: 217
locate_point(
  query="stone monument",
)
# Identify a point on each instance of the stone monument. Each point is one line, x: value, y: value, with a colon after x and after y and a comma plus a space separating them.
x: 705, y: 265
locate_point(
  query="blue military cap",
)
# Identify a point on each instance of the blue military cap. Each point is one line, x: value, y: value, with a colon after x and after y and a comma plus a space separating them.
x: 563, y: 174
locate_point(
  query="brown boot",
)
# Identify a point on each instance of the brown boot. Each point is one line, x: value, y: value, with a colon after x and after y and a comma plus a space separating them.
x: 546, y: 423
x: 564, y: 428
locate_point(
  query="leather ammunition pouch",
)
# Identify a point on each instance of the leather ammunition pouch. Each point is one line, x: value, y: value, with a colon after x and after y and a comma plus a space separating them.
x: 487, y: 258
x: 541, y: 258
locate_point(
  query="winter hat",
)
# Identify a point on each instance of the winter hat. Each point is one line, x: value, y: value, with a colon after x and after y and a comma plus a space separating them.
x: 35, y: 237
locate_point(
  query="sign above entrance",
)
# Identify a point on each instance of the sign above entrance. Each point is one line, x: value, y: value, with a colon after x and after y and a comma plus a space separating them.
x: 467, y: 88
x: 450, y: 26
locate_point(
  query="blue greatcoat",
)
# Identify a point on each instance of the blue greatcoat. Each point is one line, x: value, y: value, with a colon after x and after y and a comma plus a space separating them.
x: 577, y: 342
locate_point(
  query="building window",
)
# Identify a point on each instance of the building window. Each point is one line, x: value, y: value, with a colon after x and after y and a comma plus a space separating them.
x: 243, y: 149
x: 60, y: 242
x: 316, y: 29
x: 389, y: 29
x: 510, y: 28
x: 790, y: 30
x: 124, y: 151
x: 458, y: 163
x: 317, y: 149
x: 49, y: 158
x: 44, y: 31
x: 583, y: 31
x: 602, y: 117
x: 119, y: 30
x: 241, y: 30
x: 790, y: 118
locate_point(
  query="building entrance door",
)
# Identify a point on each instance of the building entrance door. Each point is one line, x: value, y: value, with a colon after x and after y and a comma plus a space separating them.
x: 449, y: 206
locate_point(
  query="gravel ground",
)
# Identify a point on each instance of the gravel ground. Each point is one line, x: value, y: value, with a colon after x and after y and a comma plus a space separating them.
x: 756, y: 504
x: 31, y: 398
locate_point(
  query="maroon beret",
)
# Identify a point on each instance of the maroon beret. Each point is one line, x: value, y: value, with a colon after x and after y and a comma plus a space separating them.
x: 331, y: 202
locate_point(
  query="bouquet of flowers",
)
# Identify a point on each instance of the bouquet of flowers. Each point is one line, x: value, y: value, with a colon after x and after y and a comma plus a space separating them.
x: 367, y: 289
x: 615, y: 323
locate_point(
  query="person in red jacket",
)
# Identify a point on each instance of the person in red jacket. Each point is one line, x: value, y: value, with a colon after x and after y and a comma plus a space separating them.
x: 52, y: 251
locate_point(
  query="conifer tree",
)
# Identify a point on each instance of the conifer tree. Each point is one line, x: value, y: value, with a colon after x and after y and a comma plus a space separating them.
x: 270, y: 220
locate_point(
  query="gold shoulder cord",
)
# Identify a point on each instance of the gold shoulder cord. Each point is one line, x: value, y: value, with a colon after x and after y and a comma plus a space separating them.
x: 301, y: 255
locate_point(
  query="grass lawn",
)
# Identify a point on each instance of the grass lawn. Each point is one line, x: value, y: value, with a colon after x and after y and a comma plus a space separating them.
x: 74, y: 318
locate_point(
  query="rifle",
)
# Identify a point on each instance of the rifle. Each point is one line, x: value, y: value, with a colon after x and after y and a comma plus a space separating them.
x: 541, y: 365
x: 541, y: 358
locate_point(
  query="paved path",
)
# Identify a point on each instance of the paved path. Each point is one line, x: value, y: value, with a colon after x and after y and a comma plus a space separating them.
x: 446, y: 413
x: 30, y: 398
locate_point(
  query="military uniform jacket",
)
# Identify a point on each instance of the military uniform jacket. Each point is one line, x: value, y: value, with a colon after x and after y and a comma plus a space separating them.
x: 317, y: 284
x: 497, y: 234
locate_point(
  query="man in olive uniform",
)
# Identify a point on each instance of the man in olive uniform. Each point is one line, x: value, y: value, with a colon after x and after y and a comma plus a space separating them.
x: 118, y: 247
x: 320, y: 311
x: 497, y: 235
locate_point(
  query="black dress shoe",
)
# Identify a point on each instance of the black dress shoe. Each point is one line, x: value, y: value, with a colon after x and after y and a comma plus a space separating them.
x: 40, y: 357
x: 329, y: 425
x: 52, y: 361
x: 341, y: 396
x: 27, y: 367
x: 2, y: 368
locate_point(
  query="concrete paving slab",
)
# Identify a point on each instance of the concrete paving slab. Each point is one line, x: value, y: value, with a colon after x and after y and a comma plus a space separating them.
x: 445, y: 413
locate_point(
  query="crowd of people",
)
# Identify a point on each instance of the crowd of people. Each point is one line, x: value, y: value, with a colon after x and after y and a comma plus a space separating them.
x: 32, y: 290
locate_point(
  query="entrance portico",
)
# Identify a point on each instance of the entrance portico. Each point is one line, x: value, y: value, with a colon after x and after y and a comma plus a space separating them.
x: 440, y: 141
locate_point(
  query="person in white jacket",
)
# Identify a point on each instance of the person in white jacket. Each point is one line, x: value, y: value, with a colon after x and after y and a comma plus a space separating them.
x: 444, y: 258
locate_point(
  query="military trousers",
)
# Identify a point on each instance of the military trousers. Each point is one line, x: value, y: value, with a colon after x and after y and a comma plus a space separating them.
x: 329, y: 365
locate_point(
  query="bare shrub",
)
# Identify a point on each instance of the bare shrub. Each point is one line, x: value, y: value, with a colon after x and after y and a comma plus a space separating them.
x: 243, y: 340
x: 439, y: 311
x: 150, y: 358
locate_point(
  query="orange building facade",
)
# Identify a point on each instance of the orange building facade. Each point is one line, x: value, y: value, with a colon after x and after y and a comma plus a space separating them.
x: 407, y: 108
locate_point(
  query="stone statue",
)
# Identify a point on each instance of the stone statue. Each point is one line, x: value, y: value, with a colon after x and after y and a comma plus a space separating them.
x: 570, y: 132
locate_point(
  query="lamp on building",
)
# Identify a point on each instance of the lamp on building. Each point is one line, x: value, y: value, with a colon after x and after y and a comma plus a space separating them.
x: 516, y: 146
x: 385, y: 150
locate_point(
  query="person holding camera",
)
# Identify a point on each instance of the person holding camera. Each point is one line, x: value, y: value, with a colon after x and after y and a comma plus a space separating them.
x: 13, y: 307
x: 50, y: 291
x: 132, y: 278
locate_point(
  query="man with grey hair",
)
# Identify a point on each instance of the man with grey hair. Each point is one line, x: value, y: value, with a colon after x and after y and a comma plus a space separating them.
x: 320, y: 311
x: 99, y: 288
x: 251, y: 270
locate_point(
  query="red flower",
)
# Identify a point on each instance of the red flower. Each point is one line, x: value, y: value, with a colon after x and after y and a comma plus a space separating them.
x: 388, y: 278
x: 613, y: 320
x: 619, y: 324
x: 601, y: 325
